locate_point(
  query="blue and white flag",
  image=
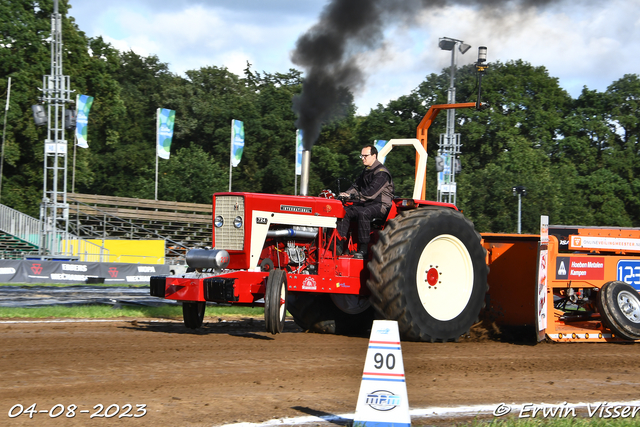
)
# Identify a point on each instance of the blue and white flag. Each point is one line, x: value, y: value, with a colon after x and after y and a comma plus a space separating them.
x: 379, y: 144
x: 298, y: 152
x: 166, y: 119
x: 83, y: 105
x: 237, y: 142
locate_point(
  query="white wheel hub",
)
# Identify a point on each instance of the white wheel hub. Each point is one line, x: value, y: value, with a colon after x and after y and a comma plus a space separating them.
x: 629, y: 305
x: 282, y: 303
x: 445, y: 277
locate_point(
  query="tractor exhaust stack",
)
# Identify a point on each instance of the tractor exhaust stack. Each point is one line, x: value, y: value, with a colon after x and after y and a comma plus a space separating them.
x: 304, y: 178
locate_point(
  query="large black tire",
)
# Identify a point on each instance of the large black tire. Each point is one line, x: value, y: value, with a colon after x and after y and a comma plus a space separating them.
x: 619, y: 306
x: 318, y: 313
x: 428, y: 272
x: 193, y: 314
x: 275, y: 301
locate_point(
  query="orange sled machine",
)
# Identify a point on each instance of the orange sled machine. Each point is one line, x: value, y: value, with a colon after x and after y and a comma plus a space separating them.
x: 587, y: 282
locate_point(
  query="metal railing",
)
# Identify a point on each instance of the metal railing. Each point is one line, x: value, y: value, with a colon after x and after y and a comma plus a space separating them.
x: 29, y: 229
x: 20, y: 225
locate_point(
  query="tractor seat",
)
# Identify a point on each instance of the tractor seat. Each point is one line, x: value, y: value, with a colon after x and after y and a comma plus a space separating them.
x: 378, y: 223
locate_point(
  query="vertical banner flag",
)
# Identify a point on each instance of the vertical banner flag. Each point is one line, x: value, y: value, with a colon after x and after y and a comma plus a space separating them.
x: 83, y: 105
x: 166, y: 119
x: 379, y: 144
x: 444, y: 177
x: 237, y: 142
x: 298, y: 152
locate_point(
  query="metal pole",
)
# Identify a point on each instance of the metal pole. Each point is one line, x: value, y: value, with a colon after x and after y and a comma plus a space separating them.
x: 519, y: 213
x: 4, y: 130
x: 157, y: 147
x: 156, y: 192
x: 231, y: 156
x: 73, y: 175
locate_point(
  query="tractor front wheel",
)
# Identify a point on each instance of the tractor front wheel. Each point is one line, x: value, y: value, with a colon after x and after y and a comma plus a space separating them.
x: 428, y: 272
x: 275, y: 301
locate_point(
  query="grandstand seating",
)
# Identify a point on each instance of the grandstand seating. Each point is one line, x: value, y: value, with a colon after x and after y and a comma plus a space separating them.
x: 12, y: 247
x: 181, y: 225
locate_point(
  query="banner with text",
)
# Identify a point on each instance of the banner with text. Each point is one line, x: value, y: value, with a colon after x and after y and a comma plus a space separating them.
x: 37, y: 271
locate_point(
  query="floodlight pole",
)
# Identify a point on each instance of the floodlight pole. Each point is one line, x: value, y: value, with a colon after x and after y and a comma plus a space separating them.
x: 450, y: 145
x: 4, y: 131
x: 519, y: 213
x: 519, y: 191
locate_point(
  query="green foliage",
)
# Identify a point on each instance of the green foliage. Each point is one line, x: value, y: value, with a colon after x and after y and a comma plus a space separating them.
x: 578, y: 158
x: 552, y: 422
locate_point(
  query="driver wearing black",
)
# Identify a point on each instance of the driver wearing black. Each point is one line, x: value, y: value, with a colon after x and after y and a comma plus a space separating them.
x: 372, y: 194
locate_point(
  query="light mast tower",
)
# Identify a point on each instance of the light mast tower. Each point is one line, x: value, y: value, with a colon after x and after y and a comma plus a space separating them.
x: 54, y: 209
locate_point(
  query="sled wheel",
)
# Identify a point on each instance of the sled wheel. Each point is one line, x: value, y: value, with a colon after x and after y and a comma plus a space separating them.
x: 275, y: 301
x: 318, y: 313
x: 428, y: 272
x: 619, y: 306
x: 193, y: 314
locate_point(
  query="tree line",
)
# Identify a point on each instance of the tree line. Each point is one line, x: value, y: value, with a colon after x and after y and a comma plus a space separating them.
x: 578, y: 158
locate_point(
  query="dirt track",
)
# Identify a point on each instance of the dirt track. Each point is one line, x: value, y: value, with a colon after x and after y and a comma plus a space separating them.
x: 234, y: 372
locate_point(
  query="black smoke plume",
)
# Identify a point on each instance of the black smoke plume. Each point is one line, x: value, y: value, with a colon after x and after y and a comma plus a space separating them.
x: 328, y: 51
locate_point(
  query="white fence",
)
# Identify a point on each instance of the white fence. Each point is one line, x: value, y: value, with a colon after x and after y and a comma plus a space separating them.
x: 20, y: 225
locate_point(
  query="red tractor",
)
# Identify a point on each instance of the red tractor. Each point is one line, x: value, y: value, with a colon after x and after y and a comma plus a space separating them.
x: 426, y: 268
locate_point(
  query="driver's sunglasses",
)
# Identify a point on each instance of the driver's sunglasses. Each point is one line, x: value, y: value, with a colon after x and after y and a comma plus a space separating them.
x: 364, y: 156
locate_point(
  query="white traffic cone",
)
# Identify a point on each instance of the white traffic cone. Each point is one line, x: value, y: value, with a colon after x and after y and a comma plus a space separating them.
x: 383, y: 400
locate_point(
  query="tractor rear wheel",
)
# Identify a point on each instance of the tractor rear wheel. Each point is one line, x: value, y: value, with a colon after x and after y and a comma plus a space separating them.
x: 318, y: 313
x: 275, y: 301
x: 193, y: 314
x: 428, y: 272
x: 619, y: 306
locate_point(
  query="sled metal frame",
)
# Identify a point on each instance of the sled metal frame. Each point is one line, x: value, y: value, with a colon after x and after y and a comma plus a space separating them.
x: 586, y: 327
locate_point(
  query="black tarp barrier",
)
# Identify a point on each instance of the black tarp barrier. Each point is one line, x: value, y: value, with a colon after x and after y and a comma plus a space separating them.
x: 37, y: 271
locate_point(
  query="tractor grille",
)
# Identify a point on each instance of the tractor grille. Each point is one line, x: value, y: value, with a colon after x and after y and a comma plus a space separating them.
x: 229, y: 237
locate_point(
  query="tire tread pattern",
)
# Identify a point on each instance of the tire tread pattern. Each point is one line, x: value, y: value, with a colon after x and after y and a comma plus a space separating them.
x: 610, y: 312
x: 317, y: 313
x: 387, y: 278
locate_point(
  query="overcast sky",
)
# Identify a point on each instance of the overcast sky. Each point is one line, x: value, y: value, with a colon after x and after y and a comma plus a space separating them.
x: 581, y: 42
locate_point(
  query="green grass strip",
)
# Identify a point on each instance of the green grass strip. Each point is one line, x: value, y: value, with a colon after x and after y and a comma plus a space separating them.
x: 552, y: 422
x: 64, y: 285
x: 108, y: 312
